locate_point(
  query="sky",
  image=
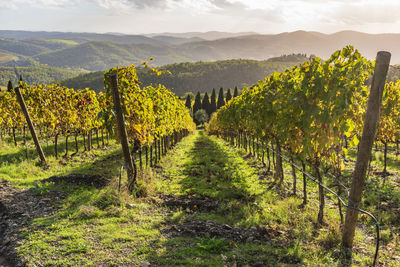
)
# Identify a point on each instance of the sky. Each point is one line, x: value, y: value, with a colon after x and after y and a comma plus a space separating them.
x: 157, y: 16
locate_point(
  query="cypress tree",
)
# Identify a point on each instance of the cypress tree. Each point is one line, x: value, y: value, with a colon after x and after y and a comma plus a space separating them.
x: 188, y: 102
x: 228, y: 95
x: 213, y: 102
x: 236, y: 93
x: 10, y: 87
x: 197, y: 103
x: 221, y: 99
x: 206, y: 104
x: 20, y: 78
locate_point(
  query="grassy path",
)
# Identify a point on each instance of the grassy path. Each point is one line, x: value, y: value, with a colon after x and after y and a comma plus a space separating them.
x: 203, y: 206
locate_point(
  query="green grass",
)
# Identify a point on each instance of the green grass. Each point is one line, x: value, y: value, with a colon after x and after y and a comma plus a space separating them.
x: 103, y: 227
x: 23, y: 172
x: 68, y: 42
x: 382, y: 195
x: 6, y: 57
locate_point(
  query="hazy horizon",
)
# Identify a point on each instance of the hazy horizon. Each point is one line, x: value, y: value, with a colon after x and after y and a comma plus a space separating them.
x: 177, y: 16
x: 201, y: 32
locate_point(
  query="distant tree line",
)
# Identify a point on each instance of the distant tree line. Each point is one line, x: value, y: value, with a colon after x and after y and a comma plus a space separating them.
x: 199, y: 76
x: 290, y: 58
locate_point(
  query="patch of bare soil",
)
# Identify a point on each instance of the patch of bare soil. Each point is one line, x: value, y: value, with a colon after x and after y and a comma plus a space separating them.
x: 3, y: 227
x: 199, y: 228
x: 265, y: 235
x: 18, y: 207
x: 78, y: 179
x: 192, y: 203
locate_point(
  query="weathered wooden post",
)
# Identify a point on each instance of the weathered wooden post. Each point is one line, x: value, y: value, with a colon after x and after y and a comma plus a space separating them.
x: 367, y: 140
x: 21, y: 101
x: 129, y: 161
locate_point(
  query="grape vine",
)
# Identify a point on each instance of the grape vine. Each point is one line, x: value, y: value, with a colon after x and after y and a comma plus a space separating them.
x: 308, y: 110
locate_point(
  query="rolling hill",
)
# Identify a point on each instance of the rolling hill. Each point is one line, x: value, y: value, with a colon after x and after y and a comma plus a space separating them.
x: 80, y: 37
x: 258, y: 47
x: 322, y: 45
x: 103, y: 55
x: 177, y: 40
x: 6, y: 56
x: 210, y: 35
x: 95, y: 52
x: 21, y: 48
x: 199, y: 76
x: 42, y: 74
x: 51, y: 44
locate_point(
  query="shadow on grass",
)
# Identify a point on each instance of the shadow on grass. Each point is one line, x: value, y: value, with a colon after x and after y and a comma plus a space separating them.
x: 393, y: 161
x: 32, y: 209
x: 208, y: 174
x: 205, y: 237
x: 48, y: 149
x: 209, y: 251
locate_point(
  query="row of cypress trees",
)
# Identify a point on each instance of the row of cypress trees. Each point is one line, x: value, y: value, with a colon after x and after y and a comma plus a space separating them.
x: 210, y: 104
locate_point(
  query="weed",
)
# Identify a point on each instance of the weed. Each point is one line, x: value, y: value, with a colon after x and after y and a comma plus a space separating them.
x: 87, y: 212
x: 212, y: 245
x: 41, y: 189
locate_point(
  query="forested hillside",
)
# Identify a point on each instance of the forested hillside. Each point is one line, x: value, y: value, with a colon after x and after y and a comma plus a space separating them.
x: 103, y: 55
x: 22, y: 48
x: 199, y: 76
x: 42, y: 74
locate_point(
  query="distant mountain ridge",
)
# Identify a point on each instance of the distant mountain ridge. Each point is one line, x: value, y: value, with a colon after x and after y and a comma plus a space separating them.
x: 94, y: 51
x: 209, y: 36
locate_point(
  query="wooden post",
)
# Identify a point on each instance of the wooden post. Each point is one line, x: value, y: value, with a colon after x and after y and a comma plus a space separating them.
x: 129, y: 161
x: 140, y: 159
x: 155, y: 152
x: 147, y: 155
x: 21, y: 101
x: 365, y: 146
x: 151, y: 155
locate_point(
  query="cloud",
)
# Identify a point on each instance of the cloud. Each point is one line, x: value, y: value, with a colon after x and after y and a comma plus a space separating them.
x: 106, y: 4
x: 240, y: 10
x: 360, y: 14
x: 6, y: 4
x: 136, y: 4
x: 148, y: 3
x: 270, y: 16
x: 339, y: 13
x: 224, y: 4
x: 17, y: 4
x: 355, y: 12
